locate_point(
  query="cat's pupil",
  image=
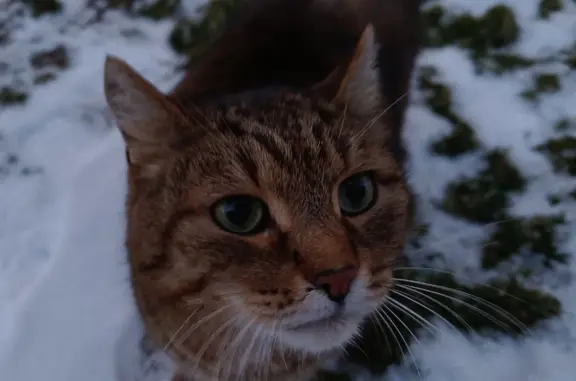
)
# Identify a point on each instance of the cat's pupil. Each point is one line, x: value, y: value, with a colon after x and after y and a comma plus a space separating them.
x: 239, y: 211
x: 241, y: 214
x: 355, y: 192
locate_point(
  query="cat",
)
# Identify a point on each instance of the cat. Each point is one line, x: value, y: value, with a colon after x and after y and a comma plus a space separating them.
x: 267, y: 203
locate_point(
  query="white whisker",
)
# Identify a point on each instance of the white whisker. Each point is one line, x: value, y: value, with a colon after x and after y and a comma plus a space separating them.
x: 439, y: 271
x: 494, y: 307
x: 175, y: 335
x: 404, y: 340
x: 386, y: 320
x: 458, y: 317
x: 411, y: 313
x: 199, y: 323
x: 366, y: 128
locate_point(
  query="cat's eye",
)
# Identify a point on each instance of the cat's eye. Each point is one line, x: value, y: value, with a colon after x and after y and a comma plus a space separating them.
x: 241, y: 214
x: 357, y: 194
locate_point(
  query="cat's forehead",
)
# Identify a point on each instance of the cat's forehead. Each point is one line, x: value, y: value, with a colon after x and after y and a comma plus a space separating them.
x: 290, y: 111
x: 288, y: 144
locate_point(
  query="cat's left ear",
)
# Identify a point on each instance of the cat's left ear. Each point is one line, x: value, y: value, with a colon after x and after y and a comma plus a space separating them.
x: 357, y: 85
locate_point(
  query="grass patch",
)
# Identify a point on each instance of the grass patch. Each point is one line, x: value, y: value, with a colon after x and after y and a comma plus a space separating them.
x: 542, y: 83
x: 53, y: 58
x: 546, y: 83
x: 10, y: 96
x: 44, y: 78
x: 535, y: 236
x: 486, y: 197
x: 42, y: 7
x: 547, y: 7
x: 502, y: 63
x: 565, y: 124
x: 497, y: 28
x: 160, y: 9
x: 438, y: 97
x: 562, y: 154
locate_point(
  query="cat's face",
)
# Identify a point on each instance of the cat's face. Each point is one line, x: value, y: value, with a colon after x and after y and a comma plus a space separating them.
x: 294, y: 214
x: 280, y: 211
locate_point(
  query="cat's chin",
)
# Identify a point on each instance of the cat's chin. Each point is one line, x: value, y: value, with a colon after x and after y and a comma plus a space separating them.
x: 321, y: 335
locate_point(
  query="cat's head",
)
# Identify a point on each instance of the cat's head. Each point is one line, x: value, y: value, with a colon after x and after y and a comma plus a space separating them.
x: 284, y: 209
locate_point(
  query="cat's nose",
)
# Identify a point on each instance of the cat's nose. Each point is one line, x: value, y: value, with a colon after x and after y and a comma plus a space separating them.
x: 336, y: 283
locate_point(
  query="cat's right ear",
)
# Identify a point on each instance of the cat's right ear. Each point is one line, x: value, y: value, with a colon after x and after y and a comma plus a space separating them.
x: 145, y: 117
x: 357, y: 84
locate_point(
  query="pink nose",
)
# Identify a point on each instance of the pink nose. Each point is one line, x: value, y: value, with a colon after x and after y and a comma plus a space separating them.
x: 336, y: 283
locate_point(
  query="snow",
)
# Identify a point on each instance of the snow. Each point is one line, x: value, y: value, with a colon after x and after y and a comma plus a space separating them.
x: 66, y: 310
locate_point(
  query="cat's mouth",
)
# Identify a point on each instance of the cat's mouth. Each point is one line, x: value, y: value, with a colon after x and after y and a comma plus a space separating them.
x: 325, y: 333
x: 335, y: 319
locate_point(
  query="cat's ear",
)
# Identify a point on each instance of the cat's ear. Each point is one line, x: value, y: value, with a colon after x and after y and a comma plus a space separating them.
x: 358, y: 83
x: 145, y: 117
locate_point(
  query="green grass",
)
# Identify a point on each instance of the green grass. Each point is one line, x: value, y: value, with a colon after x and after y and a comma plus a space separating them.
x: 10, y: 96
x: 548, y: 7
x: 42, y: 7
x: 562, y: 154
x: 536, y: 235
x: 438, y: 97
x: 485, y: 197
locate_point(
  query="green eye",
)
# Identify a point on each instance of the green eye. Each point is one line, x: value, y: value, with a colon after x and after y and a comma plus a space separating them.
x: 241, y: 214
x: 356, y: 194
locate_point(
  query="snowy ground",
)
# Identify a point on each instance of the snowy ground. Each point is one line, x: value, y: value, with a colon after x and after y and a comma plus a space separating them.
x: 66, y: 312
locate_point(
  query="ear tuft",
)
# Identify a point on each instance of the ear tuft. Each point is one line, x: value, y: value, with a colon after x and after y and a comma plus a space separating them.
x: 360, y: 86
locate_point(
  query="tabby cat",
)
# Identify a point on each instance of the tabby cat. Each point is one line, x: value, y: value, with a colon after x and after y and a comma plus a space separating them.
x: 267, y: 204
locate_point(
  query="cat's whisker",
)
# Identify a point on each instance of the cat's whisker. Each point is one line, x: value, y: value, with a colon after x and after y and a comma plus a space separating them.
x: 385, y: 319
x: 223, y: 328
x: 188, y: 332
x: 355, y: 344
x: 235, y: 346
x: 223, y: 347
x: 175, y: 335
x: 278, y: 341
x: 412, y: 314
x: 268, y: 349
x: 342, y: 123
x: 392, y: 328
x: 259, y: 346
x: 248, y: 351
x: 447, y: 272
x: 271, y: 341
x: 384, y: 332
x: 488, y: 316
x: 445, y: 307
x: 368, y: 125
x: 404, y: 339
x: 512, y: 319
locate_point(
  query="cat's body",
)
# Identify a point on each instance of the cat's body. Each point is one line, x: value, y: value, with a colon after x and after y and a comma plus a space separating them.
x: 267, y: 203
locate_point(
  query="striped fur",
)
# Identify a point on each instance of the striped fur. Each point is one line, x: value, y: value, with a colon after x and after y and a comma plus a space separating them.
x: 224, y: 305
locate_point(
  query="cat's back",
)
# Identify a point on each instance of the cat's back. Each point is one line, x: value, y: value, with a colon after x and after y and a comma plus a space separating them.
x: 297, y: 43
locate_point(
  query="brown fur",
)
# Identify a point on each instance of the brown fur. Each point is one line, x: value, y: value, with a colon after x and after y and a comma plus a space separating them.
x: 242, y: 122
